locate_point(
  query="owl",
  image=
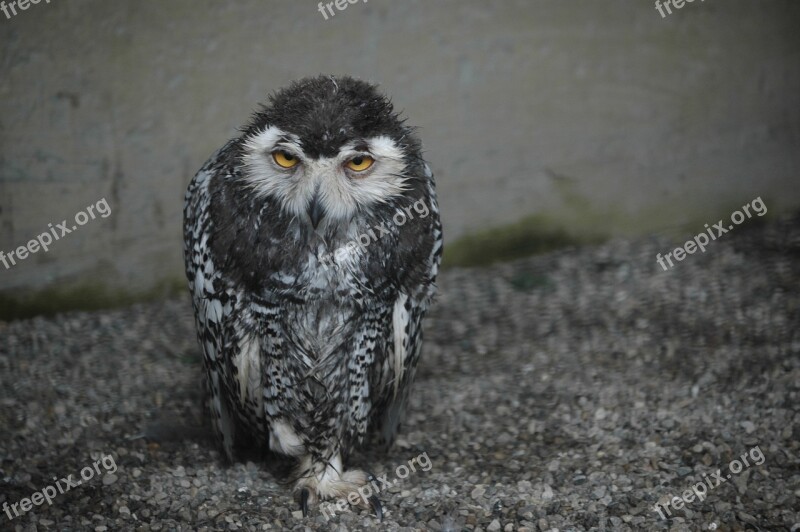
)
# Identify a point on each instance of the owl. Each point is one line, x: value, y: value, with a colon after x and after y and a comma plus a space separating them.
x: 311, y: 263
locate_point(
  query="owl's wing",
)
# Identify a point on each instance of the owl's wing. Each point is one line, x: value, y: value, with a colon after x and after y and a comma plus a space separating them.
x: 214, y: 298
x: 405, y: 342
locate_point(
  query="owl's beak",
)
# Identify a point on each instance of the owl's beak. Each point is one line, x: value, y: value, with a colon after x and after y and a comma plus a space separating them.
x: 316, y: 211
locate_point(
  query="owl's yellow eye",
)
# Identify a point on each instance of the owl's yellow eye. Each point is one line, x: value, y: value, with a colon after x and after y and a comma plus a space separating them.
x: 285, y: 159
x: 360, y: 163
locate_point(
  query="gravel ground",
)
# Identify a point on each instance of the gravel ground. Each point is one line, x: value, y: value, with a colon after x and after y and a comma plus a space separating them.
x: 568, y: 391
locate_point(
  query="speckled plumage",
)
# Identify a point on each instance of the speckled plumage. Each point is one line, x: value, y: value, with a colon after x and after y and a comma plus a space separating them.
x: 308, y: 350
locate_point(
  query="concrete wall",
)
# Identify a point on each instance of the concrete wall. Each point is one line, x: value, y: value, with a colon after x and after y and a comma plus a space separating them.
x: 598, y: 116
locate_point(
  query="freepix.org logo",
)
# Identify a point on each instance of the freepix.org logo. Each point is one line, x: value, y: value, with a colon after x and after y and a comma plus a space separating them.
x: 10, y: 9
x: 677, y: 4
x: 44, y: 240
x: 358, y: 245
x: 700, y: 241
x: 362, y: 495
x: 341, y: 5
x: 700, y: 490
x: 48, y: 493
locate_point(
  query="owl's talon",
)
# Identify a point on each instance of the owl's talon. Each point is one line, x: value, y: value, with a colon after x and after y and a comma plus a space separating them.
x: 373, y: 500
x: 376, y: 507
x: 304, y: 495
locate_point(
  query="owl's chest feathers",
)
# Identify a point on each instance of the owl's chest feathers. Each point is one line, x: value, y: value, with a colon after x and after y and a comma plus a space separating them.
x: 317, y: 288
x: 318, y: 329
x: 320, y: 307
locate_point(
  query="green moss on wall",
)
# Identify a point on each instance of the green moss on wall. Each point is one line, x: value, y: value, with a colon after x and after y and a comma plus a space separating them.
x: 528, y: 236
x: 581, y: 224
x: 83, y: 296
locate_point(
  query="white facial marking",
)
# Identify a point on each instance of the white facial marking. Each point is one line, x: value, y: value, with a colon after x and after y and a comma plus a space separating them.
x: 341, y: 191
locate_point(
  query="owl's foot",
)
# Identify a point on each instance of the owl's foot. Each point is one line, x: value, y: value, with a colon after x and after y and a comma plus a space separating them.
x: 337, y: 490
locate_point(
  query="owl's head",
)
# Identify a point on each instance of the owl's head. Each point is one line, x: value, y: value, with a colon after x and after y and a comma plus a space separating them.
x: 326, y: 149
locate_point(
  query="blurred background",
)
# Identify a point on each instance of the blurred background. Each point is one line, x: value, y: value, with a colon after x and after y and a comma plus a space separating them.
x: 547, y: 122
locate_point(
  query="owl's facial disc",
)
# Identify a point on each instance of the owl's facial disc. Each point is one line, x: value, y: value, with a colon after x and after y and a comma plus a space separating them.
x: 323, y: 189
